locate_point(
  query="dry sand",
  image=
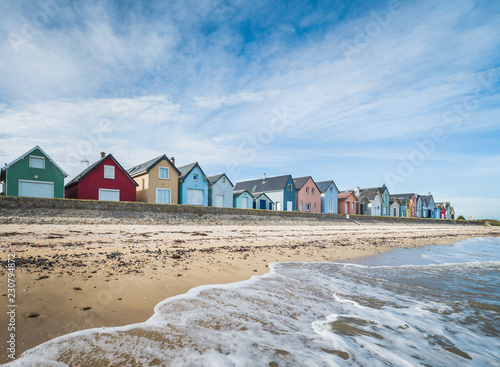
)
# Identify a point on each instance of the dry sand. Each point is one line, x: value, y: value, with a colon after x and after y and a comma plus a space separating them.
x: 73, y: 277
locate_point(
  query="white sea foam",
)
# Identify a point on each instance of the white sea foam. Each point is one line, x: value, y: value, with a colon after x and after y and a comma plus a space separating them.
x: 311, y: 314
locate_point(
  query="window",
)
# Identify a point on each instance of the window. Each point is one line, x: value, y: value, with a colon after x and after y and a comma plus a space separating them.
x: 223, y: 180
x: 315, y: 205
x: 312, y: 191
x: 289, y: 187
x: 254, y: 188
x: 37, y: 162
x: 195, y: 177
x: 308, y: 207
x: 163, y: 173
x: 307, y: 190
x: 109, y: 172
x: 331, y: 189
x: 352, y: 206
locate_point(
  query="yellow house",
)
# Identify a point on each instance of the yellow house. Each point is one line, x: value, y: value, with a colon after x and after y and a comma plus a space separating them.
x: 158, y: 181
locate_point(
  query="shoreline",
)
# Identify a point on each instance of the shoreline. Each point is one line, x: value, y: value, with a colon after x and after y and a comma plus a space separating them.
x: 77, y: 277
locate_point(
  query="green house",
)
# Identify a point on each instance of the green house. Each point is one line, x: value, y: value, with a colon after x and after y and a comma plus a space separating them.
x: 34, y: 174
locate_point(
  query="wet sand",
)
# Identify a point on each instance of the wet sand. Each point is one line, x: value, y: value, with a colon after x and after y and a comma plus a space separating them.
x: 74, y: 277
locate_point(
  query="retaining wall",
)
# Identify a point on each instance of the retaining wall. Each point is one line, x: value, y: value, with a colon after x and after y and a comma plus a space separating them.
x: 178, y: 213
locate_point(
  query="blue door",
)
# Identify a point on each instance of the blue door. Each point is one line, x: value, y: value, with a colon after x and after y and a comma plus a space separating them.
x: 270, y: 206
x: 262, y: 204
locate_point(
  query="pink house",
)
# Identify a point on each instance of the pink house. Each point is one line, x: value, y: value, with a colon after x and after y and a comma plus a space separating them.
x: 347, y: 203
x: 308, y: 195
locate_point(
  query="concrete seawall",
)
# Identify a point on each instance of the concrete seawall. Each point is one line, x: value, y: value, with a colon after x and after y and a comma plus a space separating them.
x: 13, y: 209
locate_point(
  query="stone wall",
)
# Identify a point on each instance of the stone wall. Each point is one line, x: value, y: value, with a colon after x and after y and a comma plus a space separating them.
x: 14, y: 209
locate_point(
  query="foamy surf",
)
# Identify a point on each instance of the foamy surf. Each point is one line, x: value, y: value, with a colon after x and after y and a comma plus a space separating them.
x: 315, y: 314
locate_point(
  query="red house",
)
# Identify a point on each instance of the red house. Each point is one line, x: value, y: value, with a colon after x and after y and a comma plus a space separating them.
x: 106, y: 180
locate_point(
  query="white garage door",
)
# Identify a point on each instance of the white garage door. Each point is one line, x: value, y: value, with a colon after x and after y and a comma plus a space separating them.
x: 35, y: 189
x: 244, y: 203
x: 219, y: 201
x: 194, y: 197
x: 109, y: 195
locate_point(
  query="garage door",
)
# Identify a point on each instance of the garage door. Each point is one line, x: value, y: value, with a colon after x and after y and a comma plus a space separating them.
x: 36, y: 189
x: 194, y: 197
x: 109, y: 195
x: 244, y: 203
x: 219, y: 201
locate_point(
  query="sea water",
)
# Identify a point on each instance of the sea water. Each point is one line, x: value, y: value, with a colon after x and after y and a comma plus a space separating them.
x: 434, y: 306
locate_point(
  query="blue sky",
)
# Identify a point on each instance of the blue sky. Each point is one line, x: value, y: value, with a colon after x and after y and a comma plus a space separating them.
x: 369, y: 92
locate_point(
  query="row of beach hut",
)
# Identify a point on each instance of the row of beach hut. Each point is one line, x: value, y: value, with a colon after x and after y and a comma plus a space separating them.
x: 160, y: 181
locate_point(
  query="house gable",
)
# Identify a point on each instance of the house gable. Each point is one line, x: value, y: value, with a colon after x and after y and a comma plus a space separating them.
x: 33, y: 167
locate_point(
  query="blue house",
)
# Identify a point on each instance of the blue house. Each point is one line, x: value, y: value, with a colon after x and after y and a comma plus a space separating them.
x: 193, y: 185
x: 428, y: 206
x: 329, y: 196
x: 280, y: 189
x: 242, y: 199
x: 262, y: 201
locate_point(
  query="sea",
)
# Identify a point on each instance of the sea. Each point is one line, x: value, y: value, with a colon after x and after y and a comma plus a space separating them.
x: 430, y: 306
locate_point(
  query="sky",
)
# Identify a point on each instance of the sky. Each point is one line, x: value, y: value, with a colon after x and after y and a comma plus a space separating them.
x: 400, y: 92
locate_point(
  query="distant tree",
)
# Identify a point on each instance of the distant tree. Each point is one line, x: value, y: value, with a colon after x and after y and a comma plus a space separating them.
x: 461, y: 218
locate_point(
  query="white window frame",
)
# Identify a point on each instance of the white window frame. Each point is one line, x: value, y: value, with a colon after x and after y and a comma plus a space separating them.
x: 163, y: 169
x: 289, y: 187
x: 352, y: 205
x: 107, y: 171
x: 195, y: 177
x: 36, y: 158
x: 307, y: 190
x: 308, y: 207
x: 312, y: 191
x: 169, y: 194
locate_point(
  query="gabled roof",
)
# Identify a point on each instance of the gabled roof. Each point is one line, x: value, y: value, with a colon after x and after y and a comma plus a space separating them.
x: 370, y: 193
x: 264, y: 185
x: 147, y: 166
x: 259, y: 194
x: 185, y: 170
x: 324, y: 185
x: 93, y: 166
x: 213, y: 179
x: 4, y: 168
x: 237, y: 193
x: 392, y: 200
x: 345, y: 194
x: 301, y: 181
x: 427, y: 199
x: 402, y: 200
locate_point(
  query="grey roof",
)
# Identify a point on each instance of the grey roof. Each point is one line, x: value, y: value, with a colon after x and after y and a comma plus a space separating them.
x: 185, y: 170
x: 393, y: 199
x: 147, y: 166
x: 264, y: 185
x: 237, y: 193
x: 301, y: 181
x: 402, y: 199
x: 4, y: 168
x: 93, y: 166
x: 427, y: 199
x: 324, y: 185
x: 213, y: 179
x: 406, y: 196
x: 369, y: 193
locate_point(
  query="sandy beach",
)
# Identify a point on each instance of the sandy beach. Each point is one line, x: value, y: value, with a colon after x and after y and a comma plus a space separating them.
x: 78, y: 276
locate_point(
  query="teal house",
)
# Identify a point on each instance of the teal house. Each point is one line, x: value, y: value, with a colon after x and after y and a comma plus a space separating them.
x: 193, y: 185
x: 34, y: 174
x: 242, y: 199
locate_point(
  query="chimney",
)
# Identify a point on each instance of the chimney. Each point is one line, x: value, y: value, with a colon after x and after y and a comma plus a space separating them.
x: 172, y: 159
x: 103, y: 154
x: 264, y: 177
